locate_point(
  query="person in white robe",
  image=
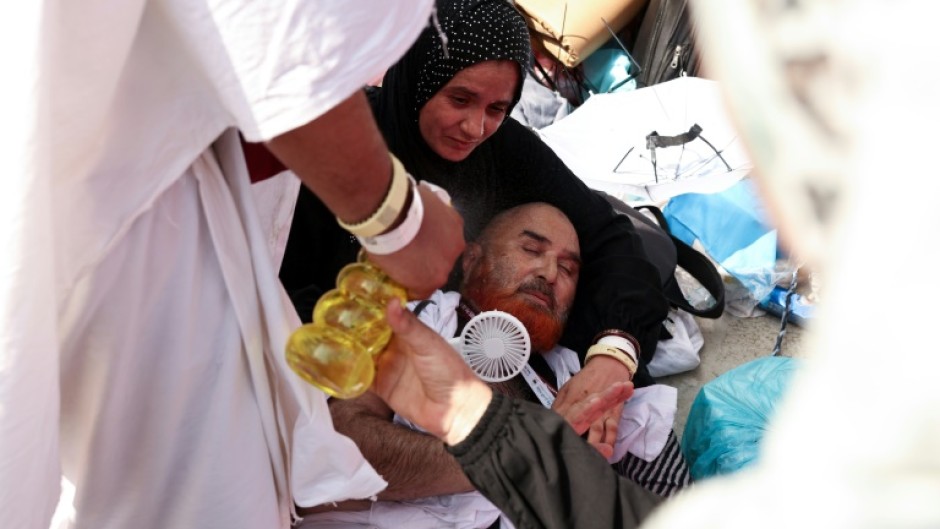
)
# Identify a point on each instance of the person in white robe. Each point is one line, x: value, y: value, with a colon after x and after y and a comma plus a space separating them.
x: 142, y: 325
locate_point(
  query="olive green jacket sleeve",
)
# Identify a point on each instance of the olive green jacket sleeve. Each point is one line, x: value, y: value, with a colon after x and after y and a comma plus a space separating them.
x: 541, y: 474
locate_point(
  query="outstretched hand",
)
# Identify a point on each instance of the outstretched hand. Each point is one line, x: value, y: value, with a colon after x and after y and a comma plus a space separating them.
x: 586, y: 413
x: 343, y: 159
x: 424, y: 379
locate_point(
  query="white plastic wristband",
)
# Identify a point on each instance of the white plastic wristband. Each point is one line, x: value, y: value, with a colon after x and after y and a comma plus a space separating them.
x: 620, y: 343
x: 437, y: 190
x: 401, y: 235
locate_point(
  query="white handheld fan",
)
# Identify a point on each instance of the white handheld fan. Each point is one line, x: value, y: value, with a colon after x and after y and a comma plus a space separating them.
x: 495, y: 344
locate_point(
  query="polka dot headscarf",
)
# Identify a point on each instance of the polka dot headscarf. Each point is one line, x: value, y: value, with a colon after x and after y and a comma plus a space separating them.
x: 476, y: 31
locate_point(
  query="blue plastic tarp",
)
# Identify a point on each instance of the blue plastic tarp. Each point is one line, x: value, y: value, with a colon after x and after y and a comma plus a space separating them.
x: 729, y: 416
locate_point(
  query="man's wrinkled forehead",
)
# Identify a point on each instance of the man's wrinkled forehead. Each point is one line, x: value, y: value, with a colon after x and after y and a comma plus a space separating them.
x: 539, y: 222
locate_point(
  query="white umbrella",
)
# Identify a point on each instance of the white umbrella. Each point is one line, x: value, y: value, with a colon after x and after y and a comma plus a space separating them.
x: 652, y: 143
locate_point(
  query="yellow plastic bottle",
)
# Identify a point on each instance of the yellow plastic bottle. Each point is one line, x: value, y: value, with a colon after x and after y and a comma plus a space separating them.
x: 337, y: 352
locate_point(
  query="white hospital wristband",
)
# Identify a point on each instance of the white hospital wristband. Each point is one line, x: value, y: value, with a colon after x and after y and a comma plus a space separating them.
x: 620, y: 343
x: 400, y: 236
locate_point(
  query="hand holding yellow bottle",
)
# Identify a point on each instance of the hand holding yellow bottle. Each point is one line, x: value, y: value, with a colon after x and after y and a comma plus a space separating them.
x: 337, y: 352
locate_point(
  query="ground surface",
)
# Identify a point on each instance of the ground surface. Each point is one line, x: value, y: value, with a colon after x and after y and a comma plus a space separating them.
x: 730, y: 342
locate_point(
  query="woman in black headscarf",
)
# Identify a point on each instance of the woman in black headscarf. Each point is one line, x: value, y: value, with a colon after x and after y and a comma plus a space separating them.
x: 459, y: 137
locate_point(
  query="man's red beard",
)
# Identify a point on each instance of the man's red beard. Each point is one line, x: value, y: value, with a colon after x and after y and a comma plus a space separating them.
x: 544, y: 327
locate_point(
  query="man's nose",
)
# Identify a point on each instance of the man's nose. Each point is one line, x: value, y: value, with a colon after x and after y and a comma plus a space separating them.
x: 548, y: 270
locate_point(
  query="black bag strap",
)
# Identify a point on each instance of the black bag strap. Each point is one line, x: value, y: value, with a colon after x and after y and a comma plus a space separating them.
x: 699, y: 267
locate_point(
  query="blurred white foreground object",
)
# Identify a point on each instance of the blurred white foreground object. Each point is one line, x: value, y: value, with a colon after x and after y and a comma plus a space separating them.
x: 837, y: 103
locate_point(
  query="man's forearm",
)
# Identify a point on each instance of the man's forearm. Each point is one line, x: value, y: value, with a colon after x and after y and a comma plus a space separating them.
x: 414, y: 464
x: 341, y: 157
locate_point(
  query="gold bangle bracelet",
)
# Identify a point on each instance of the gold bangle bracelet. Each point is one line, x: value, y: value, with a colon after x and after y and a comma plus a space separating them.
x: 388, y: 211
x: 613, y: 352
x: 617, y: 332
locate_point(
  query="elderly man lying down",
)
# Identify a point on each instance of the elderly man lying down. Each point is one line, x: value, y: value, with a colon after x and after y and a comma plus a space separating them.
x: 526, y: 262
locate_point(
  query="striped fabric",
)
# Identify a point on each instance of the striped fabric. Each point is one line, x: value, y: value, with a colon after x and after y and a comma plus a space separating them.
x: 665, y: 475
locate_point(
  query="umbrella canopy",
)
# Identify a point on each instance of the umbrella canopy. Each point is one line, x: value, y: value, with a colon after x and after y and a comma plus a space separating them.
x: 652, y: 143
